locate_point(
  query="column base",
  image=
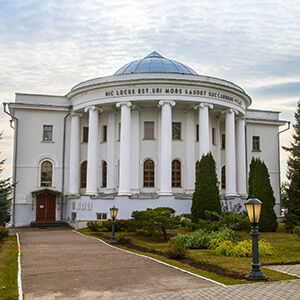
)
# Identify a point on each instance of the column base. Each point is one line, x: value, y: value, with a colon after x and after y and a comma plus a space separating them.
x: 256, y: 275
x: 165, y: 194
x: 74, y: 194
x: 91, y: 193
x: 124, y: 194
x: 229, y: 196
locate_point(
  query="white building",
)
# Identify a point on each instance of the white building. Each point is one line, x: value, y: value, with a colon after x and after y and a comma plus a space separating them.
x: 133, y: 140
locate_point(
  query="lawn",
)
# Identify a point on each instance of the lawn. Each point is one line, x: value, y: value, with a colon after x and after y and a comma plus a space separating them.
x: 9, y: 269
x: 286, y: 249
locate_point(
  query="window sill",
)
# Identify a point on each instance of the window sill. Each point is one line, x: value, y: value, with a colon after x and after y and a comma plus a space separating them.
x: 149, y: 139
x: 177, y: 140
x: 47, y: 142
x: 256, y: 150
x: 103, y: 142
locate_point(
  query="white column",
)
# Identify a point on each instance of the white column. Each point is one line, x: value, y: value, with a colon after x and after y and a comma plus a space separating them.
x: 92, y: 155
x: 230, y: 154
x: 74, y: 167
x: 241, y: 157
x: 166, y: 147
x: 190, y: 152
x: 204, y: 144
x: 135, y: 153
x: 111, y: 139
x: 124, y: 184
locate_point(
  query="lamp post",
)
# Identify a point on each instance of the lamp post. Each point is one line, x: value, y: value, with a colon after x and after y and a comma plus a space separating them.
x: 113, y: 213
x: 253, y: 207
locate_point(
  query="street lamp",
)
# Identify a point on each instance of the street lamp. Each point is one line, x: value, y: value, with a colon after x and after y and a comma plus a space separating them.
x: 113, y: 213
x: 253, y: 207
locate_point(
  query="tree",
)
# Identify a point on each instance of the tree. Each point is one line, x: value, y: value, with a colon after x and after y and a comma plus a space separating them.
x: 4, y: 194
x: 206, y: 195
x: 292, y: 217
x: 260, y: 187
x: 156, y: 221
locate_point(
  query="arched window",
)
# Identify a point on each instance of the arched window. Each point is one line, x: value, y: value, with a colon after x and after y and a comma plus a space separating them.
x: 196, y: 169
x: 46, y: 173
x: 148, y: 173
x: 104, y: 173
x: 176, y: 173
x: 83, y: 170
x: 223, y: 177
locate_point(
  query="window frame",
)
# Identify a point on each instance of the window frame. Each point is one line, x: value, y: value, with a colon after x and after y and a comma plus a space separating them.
x: 176, y: 173
x: 47, y: 134
x: 148, y: 136
x: 148, y: 173
x: 83, y: 174
x: 104, y: 133
x: 46, y: 173
x: 104, y: 174
x: 197, y: 132
x: 176, y: 136
x: 85, y: 134
x: 223, y: 177
x: 213, y: 136
x: 223, y: 141
x: 256, y: 143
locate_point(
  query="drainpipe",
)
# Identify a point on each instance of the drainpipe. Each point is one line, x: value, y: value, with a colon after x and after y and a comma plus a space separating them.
x: 63, y: 165
x: 13, y: 118
x: 289, y: 126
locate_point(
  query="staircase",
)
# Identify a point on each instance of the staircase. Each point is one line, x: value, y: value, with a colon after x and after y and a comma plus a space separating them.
x: 47, y: 224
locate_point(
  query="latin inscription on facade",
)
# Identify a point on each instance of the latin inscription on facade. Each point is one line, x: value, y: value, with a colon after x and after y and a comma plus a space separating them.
x: 172, y: 91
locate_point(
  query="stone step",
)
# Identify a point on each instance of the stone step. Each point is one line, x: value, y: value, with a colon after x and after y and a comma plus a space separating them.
x: 47, y: 224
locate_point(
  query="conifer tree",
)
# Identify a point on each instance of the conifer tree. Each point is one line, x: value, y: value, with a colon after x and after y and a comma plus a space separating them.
x: 206, y: 195
x: 292, y: 217
x: 260, y: 187
x: 4, y: 195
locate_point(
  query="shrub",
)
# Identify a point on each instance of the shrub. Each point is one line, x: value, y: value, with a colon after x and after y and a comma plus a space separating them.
x: 121, y: 225
x: 123, y: 238
x: 177, y: 252
x: 3, y: 233
x: 242, y: 249
x: 154, y: 222
x: 93, y: 225
x: 297, y: 231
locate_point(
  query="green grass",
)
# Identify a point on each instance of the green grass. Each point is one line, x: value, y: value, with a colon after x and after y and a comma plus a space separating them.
x: 286, y: 249
x: 9, y: 269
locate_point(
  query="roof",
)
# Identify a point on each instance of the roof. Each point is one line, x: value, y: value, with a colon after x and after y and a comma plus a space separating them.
x: 155, y: 63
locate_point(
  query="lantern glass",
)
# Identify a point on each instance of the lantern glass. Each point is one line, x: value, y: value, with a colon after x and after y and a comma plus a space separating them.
x: 253, y: 207
x: 113, y: 212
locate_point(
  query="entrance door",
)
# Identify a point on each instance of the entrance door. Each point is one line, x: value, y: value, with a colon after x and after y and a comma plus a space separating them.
x: 45, y: 207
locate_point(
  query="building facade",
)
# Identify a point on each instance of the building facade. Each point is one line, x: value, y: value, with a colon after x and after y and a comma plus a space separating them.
x: 133, y: 140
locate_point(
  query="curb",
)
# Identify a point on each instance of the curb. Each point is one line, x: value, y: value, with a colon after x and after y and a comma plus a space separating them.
x: 20, y: 290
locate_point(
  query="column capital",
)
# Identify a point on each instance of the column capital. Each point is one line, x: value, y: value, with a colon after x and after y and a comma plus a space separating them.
x: 230, y: 110
x: 93, y: 107
x: 127, y: 103
x: 74, y: 114
x: 243, y: 118
x: 163, y: 102
x: 204, y: 104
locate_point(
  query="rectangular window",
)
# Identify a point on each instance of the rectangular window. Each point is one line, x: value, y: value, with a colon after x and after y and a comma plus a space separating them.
x: 101, y: 216
x: 85, y: 135
x: 176, y: 131
x: 104, y: 133
x: 213, y: 136
x: 197, y: 132
x: 255, y: 143
x: 223, y: 141
x: 149, y: 130
x: 119, y: 133
x: 47, y: 133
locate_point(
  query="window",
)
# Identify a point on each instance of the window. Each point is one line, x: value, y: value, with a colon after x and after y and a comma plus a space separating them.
x: 104, y: 133
x: 119, y: 133
x: 197, y: 132
x: 196, y: 169
x: 223, y: 141
x: 176, y: 173
x: 223, y: 177
x: 73, y: 216
x: 149, y: 130
x: 255, y: 143
x: 148, y: 173
x: 104, y: 173
x: 213, y: 136
x: 46, y: 173
x: 47, y: 133
x: 83, y: 171
x: 85, y: 136
x: 176, y: 131
x: 101, y: 216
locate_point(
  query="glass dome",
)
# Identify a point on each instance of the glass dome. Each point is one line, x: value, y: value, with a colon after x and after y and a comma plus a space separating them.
x: 155, y: 63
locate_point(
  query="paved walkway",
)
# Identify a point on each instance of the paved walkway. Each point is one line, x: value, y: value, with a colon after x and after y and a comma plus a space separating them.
x: 61, y: 264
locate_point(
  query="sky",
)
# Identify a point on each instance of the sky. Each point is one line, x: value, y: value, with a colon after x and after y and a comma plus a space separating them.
x: 47, y: 47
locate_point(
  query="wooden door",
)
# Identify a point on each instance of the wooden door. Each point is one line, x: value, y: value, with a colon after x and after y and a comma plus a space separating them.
x: 45, y: 207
